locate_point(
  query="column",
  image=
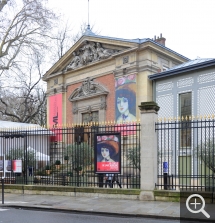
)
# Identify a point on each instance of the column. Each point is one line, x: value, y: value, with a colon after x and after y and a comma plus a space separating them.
x: 148, y: 118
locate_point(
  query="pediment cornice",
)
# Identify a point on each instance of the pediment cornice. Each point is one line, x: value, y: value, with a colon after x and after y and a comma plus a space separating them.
x: 88, y: 89
x: 88, y: 50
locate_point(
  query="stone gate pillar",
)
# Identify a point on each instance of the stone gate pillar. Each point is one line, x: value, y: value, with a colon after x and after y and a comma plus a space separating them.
x: 148, y: 149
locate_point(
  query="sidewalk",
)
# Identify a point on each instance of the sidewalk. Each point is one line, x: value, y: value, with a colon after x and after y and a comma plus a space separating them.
x: 93, y: 204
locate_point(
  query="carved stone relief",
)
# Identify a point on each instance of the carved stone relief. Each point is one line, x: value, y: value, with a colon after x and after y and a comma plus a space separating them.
x: 88, y: 88
x: 74, y: 108
x: 89, y: 101
x: 103, y: 104
x: 88, y: 53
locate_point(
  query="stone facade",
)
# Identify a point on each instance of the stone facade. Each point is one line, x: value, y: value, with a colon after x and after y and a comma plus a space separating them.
x: 86, y: 75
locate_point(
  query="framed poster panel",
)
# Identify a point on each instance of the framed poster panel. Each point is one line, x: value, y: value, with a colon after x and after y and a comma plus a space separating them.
x: 5, y: 166
x: 107, y: 152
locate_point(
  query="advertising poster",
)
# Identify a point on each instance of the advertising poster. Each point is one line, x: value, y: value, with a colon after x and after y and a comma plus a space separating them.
x: 55, y: 116
x: 125, y: 104
x: 16, y: 166
x: 108, y: 153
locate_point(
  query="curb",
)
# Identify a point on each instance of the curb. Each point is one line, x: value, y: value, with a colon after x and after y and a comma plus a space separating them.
x: 65, y: 210
x: 73, y: 211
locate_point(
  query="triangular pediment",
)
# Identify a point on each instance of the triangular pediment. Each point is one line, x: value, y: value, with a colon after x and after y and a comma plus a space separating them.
x: 88, y: 50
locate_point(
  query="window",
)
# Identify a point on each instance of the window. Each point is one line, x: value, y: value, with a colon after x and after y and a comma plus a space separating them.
x: 185, y: 112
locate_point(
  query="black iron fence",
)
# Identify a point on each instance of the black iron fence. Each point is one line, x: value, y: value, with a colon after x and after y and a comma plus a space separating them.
x: 186, y: 154
x: 65, y: 155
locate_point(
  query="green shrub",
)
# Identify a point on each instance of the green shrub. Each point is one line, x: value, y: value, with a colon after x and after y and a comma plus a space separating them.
x: 66, y: 157
x: 47, y: 167
x: 57, y: 162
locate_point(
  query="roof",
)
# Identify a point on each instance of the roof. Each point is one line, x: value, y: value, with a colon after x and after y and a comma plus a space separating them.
x: 26, y: 128
x: 88, y: 32
x: 8, y: 124
x: 127, y: 44
x: 184, y: 67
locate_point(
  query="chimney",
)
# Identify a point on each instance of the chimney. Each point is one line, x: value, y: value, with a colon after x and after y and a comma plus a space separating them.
x: 160, y: 40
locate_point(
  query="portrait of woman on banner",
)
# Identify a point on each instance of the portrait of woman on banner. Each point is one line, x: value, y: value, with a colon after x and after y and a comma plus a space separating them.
x: 125, y: 105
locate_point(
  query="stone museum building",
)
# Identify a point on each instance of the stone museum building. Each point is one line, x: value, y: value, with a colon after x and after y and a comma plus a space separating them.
x: 103, y: 78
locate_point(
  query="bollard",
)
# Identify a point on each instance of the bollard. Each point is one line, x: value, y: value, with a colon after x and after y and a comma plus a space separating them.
x: 165, y: 179
x: 2, y: 184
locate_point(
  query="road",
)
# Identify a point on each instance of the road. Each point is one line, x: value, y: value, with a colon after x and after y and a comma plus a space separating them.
x: 11, y: 215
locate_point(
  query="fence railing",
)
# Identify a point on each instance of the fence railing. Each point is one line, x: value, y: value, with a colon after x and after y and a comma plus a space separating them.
x: 65, y: 155
x: 186, y: 155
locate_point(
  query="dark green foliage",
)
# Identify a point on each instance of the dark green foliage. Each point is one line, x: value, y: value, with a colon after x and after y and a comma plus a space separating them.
x: 57, y: 162
x: 133, y: 157
x: 47, y: 167
x: 22, y: 154
x: 80, y: 155
x: 206, y: 152
x: 66, y: 157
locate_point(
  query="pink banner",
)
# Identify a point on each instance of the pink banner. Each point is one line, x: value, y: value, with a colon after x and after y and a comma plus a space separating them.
x: 126, y: 129
x: 55, y: 115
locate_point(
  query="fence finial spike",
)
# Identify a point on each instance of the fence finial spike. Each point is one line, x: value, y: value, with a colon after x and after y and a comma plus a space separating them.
x: 212, y: 116
x: 186, y: 118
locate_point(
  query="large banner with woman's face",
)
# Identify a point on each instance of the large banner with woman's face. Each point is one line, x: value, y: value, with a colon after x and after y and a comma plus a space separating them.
x: 107, y: 153
x: 125, y: 94
x: 125, y: 105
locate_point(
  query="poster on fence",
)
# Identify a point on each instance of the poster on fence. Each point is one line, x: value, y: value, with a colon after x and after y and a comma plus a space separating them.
x: 107, y: 153
x: 16, y: 166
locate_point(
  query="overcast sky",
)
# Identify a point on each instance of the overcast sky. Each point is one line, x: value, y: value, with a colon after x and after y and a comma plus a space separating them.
x: 187, y: 25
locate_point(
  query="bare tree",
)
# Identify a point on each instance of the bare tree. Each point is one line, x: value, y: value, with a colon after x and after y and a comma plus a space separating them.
x: 65, y: 38
x: 2, y: 4
x: 23, y: 96
x: 25, y: 42
x: 25, y: 27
